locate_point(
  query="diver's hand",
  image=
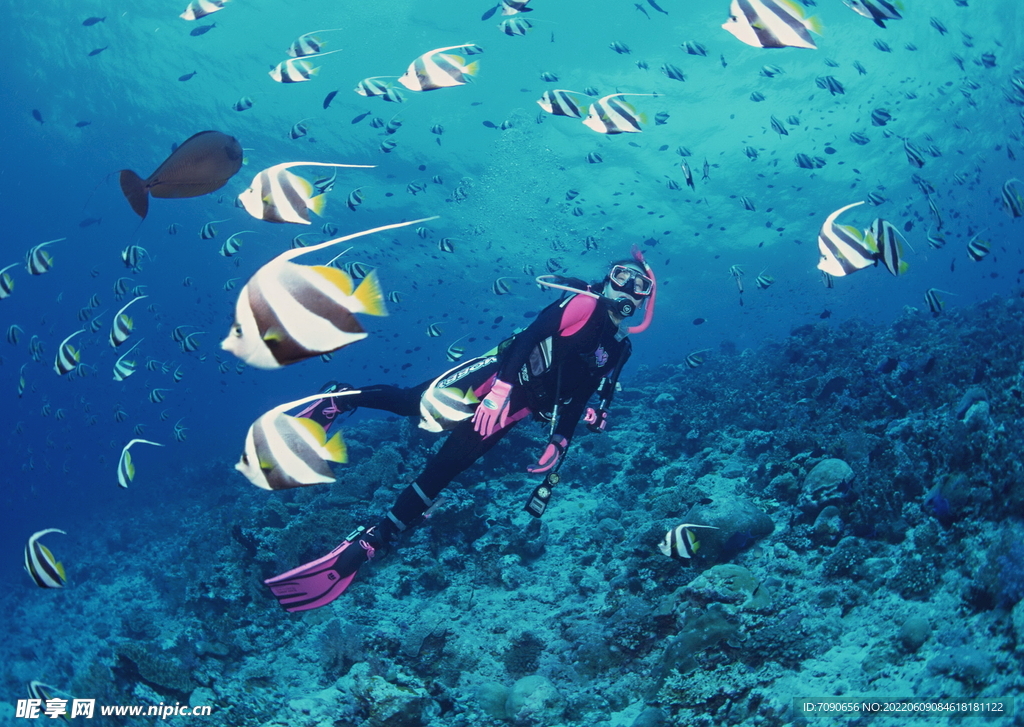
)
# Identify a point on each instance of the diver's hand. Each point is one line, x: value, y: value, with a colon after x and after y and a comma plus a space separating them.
x: 552, y: 453
x: 596, y: 419
x: 492, y: 413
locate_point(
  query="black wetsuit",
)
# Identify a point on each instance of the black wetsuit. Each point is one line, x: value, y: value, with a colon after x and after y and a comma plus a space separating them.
x: 566, y: 355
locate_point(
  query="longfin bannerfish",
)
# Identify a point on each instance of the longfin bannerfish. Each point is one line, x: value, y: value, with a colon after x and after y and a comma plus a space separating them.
x: 373, y: 86
x: 6, y: 281
x: 288, y: 312
x: 232, y: 245
x: 123, y: 324
x: 208, y: 231
x: 189, y: 343
x: 125, y: 466
x: 67, y: 357
x: 299, y: 129
x: 436, y: 69
x: 764, y: 281
x: 454, y: 351
x: 609, y: 115
x: 132, y: 256
x: 277, y: 195
x: 886, y: 240
x: 681, y: 542
x: 308, y: 44
x: 511, y: 7
x: 123, y: 369
x: 935, y: 301
x: 297, y: 70
x: 283, y: 452
x: 500, y: 287
x: 977, y: 249
x: 696, y: 359
x: 201, y: 164
x: 1013, y: 202
x: 40, y: 563
x: 562, y: 102
x: 38, y: 260
x: 201, y: 8
x: 771, y: 24
x: 877, y: 11
x: 843, y: 249
x: 515, y: 26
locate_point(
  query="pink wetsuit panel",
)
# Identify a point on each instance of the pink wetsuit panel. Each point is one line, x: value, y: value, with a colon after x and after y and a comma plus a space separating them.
x: 576, y: 313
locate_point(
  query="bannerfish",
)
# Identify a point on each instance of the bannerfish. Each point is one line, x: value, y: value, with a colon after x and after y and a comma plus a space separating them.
x: 437, y: 69
x: 277, y: 195
x: 203, y: 163
x: 283, y: 452
x: 887, y: 241
x: 877, y: 11
x: 681, y: 542
x: 297, y: 70
x: 771, y: 24
x: 562, y: 102
x: 67, y: 357
x: 610, y: 115
x: 843, y: 248
x: 287, y: 312
x: 40, y: 563
x: 125, y: 466
x: 308, y: 44
x: 201, y: 8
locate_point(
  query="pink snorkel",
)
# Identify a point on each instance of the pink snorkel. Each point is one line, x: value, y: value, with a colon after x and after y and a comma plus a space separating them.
x: 649, y: 310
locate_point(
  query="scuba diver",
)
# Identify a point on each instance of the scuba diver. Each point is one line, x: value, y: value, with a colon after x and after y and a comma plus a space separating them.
x: 574, y: 348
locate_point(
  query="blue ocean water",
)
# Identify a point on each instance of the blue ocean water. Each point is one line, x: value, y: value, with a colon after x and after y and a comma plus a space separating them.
x: 501, y: 197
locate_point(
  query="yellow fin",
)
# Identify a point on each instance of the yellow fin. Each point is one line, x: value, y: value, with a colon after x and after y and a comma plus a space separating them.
x: 371, y: 296
x: 60, y: 569
x: 853, y: 231
x: 336, y: 450
x: 312, y: 427
x: 339, y: 278
x: 472, y: 69
x: 815, y: 25
x: 317, y: 204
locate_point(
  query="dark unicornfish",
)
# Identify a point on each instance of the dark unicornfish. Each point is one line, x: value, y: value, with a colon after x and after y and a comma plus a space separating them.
x: 202, y: 164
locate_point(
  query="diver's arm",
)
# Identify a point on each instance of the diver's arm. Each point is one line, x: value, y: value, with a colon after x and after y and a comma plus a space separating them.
x: 564, y: 318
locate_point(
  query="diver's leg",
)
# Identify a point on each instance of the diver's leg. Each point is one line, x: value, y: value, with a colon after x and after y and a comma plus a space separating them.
x: 404, y: 402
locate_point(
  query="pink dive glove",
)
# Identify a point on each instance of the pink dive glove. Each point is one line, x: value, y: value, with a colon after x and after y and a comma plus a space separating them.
x: 549, y: 458
x: 492, y: 413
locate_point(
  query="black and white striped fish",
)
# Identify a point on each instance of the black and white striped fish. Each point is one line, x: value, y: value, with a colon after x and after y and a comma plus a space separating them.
x: 38, y: 260
x: 122, y: 368
x: 277, y: 195
x: 1013, y: 202
x: 934, y: 300
x: 6, y: 281
x: 515, y: 26
x: 123, y: 324
x: 610, y: 115
x: 695, y: 359
x: 189, y: 343
x: 67, y: 357
x: 201, y: 8
x: 40, y: 563
x: 681, y: 542
x: 843, y: 248
x: 132, y: 256
x: 208, y: 231
x: 888, y: 242
x: 876, y: 10
x: 308, y: 44
x: 282, y: 452
x: 977, y: 249
x: 373, y: 86
x: 232, y: 244
x: 288, y: 312
x: 125, y: 466
x: 562, y: 102
x: 297, y: 70
x: 437, y: 69
x: 771, y: 24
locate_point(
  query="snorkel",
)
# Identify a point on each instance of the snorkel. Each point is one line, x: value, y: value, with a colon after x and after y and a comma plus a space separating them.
x: 649, y: 310
x: 558, y: 282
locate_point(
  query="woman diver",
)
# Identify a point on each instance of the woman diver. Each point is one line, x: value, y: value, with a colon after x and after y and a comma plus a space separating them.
x: 576, y: 347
